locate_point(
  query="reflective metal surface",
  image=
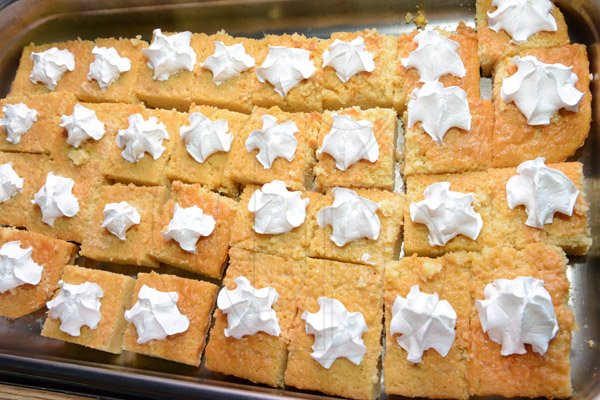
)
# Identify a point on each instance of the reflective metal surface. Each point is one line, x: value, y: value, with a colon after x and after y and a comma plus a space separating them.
x: 24, y: 352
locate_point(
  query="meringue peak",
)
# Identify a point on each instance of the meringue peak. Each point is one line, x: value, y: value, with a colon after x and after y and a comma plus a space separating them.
x: 141, y: 137
x: 107, y: 66
x: 204, y: 137
x: 522, y: 19
x: 17, y: 267
x: 17, y: 120
x: 188, y: 225
x: 49, y: 66
x: 227, y: 62
x: 169, y: 54
x: 76, y: 305
x: 285, y: 67
x: 119, y: 217
x: 10, y: 182
x: 348, y: 58
x: 273, y: 140
x: 56, y: 198
x: 82, y: 125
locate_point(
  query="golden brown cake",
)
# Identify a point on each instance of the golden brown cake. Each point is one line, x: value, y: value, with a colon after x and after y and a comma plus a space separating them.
x: 360, y: 289
x: 408, y: 79
x: 108, y: 335
x: 68, y: 83
x: 123, y: 89
x: 516, y: 141
x: 530, y: 374
x: 52, y: 255
x: 211, y: 251
x: 436, y: 377
x: 362, y: 174
x: 99, y: 244
x: 196, y: 300
x: 365, y: 89
x: 493, y: 46
x: 244, y: 168
x: 210, y: 174
x: 260, y: 358
x: 293, y: 244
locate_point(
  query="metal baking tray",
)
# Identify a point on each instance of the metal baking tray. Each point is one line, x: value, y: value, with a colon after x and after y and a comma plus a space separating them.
x: 26, y: 357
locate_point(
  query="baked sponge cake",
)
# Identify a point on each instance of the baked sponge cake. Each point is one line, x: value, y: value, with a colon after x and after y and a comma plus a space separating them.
x: 261, y: 357
x: 530, y: 374
x: 108, y: 335
x: 52, y: 255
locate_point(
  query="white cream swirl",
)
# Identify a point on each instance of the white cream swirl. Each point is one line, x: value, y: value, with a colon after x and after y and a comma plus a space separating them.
x: 446, y: 214
x: 273, y: 140
x: 82, y: 125
x: 170, y: 54
x: 204, y: 137
x: 17, y: 267
x: 188, y: 225
x: 107, y: 66
x: 56, y: 198
x: 249, y: 310
x: 285, y: 67
x: 439, y: 108
x: 522, y: 19
x: 141, y: 137
x: 119, y: 217
x: 423, y: 322
x: 17, y: 120
x: 351, y: 217
x: 228, y: 62
x: 49, y: 66
x: 156, y: 316
x: 10, y: 182
x: 516, y: 312
x: 348, y: 58
x: 76, y: 306
x: 542, y: 190
x: 539, y: 90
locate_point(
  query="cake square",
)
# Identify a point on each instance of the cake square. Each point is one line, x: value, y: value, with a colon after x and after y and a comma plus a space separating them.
x: 32, y: 168
x: 416, y: 235
x: 101, y: 245
x: 408, y: 79
x: 147, y: 171
x: 435, y: 377
x: 308, y: 94
x: 460, y: 151
x: 359, y: 289
x: 69, y: 82
x: 362, y: 174
x: 196, y: 300
x: 108, y: 335
x: 234, y: 94
x: 123, y: 89
x: 365, y: 89
x: 260, y: 358
x: 175, y: 92
x: 364, y: 251
x: 572, y: 234
x: 293, y: 244
x: 45, y: 133
x: 244, y: 168
x: 211, y: 173
x: 52, y: 255
x: 516, y: 141
x: 494, y: 46
x: 211, y: 251
x: 530, y: 374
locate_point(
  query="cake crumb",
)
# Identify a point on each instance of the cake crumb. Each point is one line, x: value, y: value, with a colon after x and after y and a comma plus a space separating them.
x: 430, y: 268
x: 419, y: 20
x: 592, y: 344
x: 78, y: 156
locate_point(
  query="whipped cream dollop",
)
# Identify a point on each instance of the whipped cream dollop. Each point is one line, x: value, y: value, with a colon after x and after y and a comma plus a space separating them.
x: 76, y: 306
x: 17, y: 120
x: 276, y: 209
x: 82, y: 125
x: 423, y: 322
x: 273, y: 140
x: 141, y: 137
x: 539, y: 90
x: 351, y: 217
x: 56, y: 198
x: 170, y: 54
x: 204, y: 137
x: 348, y: 58
x: 188, y: 225
x: 17, y: 267
x: 338, y: 332
x: 522, y: 19
x: 542, y: 190
x: 119, y: 217
x: 50, y: 65
x: 434, y: 57
x: 228, y: 62
x: 156, y: 315
x: 10, y: 182
x: 249, y: 310
x: 439, y: 108
x: 107, y: 66
x: 285, y: 67
x: 446, y: 214
x: 516, y: 312
x: 350, y: 141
